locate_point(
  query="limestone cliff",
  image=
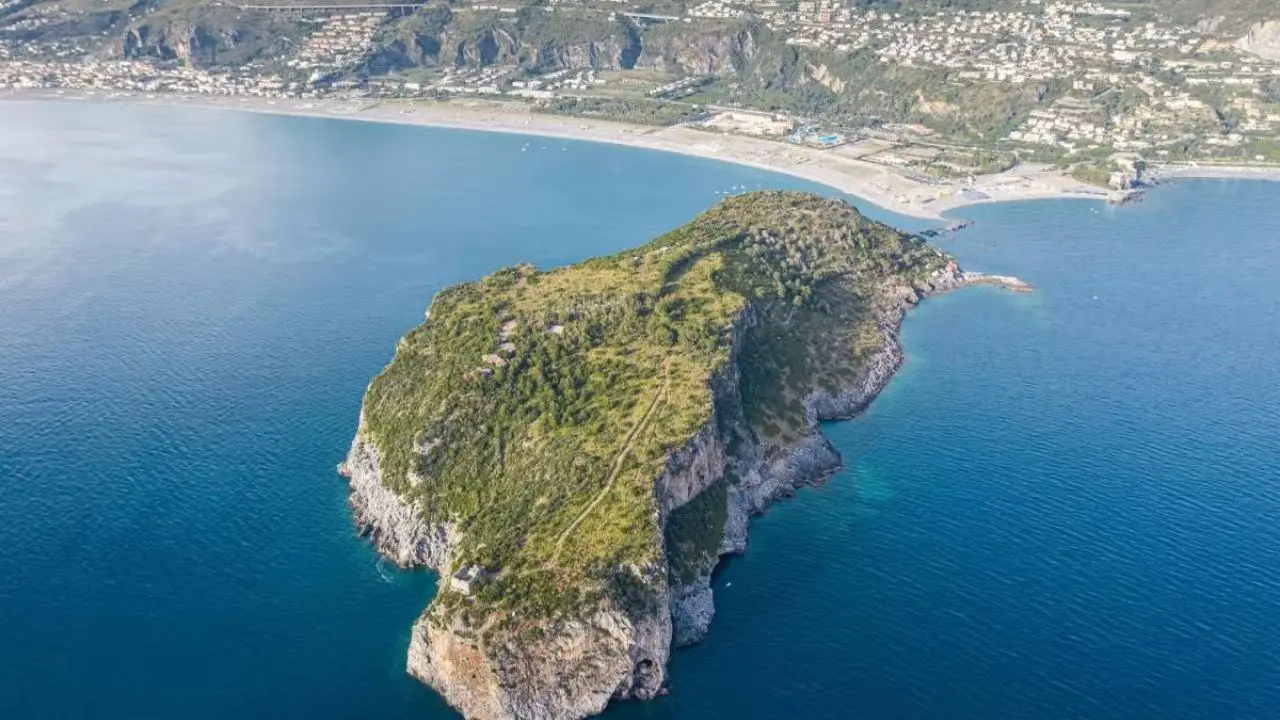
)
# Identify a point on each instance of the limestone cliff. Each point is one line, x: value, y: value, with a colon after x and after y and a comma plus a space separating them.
x: 206, y: 37
x: 1263, y: 39
x: 572, y: 671
x: 535, y: 41
x: 708, y: 52
x: 608, y: 53
x: 479, y: 47
x: 575, y: 668
x: 389, y: 522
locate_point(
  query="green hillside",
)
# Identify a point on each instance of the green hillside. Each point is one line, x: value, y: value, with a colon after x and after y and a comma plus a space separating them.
x: 536, y: 409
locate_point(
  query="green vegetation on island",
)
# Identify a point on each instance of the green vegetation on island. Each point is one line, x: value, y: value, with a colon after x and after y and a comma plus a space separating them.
x: 536, y: 410
x: 694, y: 532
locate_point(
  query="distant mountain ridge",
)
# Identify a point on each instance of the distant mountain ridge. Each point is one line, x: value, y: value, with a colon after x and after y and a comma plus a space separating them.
x: 206, y: 34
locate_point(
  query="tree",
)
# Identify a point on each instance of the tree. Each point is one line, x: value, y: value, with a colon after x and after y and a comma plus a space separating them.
x: 1271, y: 89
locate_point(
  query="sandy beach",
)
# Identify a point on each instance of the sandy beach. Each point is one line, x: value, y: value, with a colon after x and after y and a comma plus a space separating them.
x: 838, y: 168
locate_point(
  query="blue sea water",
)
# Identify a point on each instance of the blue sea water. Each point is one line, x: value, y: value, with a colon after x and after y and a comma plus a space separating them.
x: 1067, y: 505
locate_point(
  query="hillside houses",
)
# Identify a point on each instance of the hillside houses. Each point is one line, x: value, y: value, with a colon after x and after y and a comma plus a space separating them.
x: 135, y: 76
x: 339, y: 42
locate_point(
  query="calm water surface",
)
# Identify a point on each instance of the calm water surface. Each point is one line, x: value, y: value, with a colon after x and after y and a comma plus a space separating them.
x: 1066, y: 505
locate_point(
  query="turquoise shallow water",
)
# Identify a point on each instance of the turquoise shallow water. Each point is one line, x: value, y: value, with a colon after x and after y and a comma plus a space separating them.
x: 1065, y: 506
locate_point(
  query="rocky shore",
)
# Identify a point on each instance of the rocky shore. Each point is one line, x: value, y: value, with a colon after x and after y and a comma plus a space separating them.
x: 610, y: 654
x: 767, y: 477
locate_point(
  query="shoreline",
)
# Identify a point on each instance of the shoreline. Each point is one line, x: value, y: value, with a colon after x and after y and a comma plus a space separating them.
x: 839, y: 169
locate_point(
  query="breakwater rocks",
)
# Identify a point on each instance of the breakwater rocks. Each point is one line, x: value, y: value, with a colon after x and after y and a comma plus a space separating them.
x: 1001, y: 281
x: 573, y: 673
x: 946, y: 232
x: 581, y: 664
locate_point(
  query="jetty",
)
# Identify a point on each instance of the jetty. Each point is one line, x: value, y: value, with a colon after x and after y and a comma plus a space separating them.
x: 948, y: 231
x: 1008, y: 282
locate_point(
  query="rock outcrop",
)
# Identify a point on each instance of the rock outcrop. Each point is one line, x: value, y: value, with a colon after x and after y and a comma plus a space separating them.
x: 211, y: 36
x: 827, y: 79
x: 529, y: 40
x: 1263, y: 39
x: 708, y: 53
x: 383, y: 516
x: 610, y: 53
x: 573, y: 671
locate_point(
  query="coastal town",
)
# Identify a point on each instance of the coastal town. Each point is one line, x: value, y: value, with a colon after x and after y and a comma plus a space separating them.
x: 1109, y: 83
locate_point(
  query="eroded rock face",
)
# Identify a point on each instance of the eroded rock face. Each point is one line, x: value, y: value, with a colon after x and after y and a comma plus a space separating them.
x: 762, y: 478
x: 479, y: 48
x: 390, y: 523
x: 828, y: 79
x: 574, y: 670
x: 605, y: 54
x: 214, y: 35
x: 693, y: 468
x: 1263, y: 40
x: 690, y: 472
x: 692, y: 608
x: 698, y: 54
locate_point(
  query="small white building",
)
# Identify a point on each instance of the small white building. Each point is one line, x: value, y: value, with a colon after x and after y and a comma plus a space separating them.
x: 468, y: 579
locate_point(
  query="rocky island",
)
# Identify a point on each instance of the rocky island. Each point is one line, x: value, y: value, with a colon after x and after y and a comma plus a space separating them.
x: 573, y: 450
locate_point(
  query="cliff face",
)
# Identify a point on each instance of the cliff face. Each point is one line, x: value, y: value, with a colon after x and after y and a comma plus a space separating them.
x: 577, y: 667
x: 609, y: 53
x: 689, y: 473
x: 478, y: 48
x: 610, y: 47
x: 572, y: 672
x: 210, y: 37
x: 383, y: 516
x: 171, y: 42
x: 704, y: 53
x: 1263, y: 40
x: 222, y: 36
